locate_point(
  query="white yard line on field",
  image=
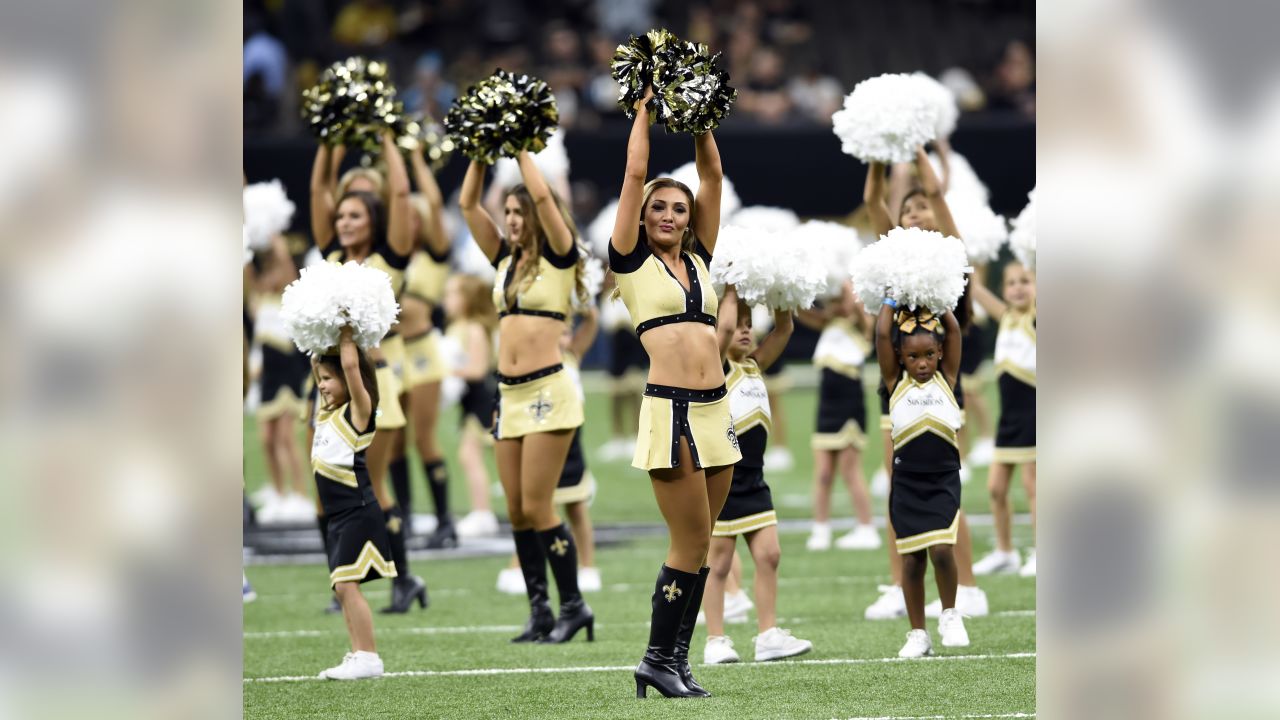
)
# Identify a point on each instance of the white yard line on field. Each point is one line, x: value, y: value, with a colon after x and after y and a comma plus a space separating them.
x: 942, y: 717
x: 620, y: 668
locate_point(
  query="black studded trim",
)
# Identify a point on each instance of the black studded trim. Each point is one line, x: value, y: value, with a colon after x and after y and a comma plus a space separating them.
x: 668, y: 392
x: 530, y: 377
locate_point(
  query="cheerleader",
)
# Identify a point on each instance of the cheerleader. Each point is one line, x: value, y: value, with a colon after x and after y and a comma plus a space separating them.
x: 577, y: 487
x: 840, y: 435
x: 920, y: 363
x: 472, y: 322
x: 539, y: 269
x: 356, y: 219
x: 358, y: 543
x: 748, y: 511
x: 661, y: 246
x: 1016, y: 435
x: 628, y: 364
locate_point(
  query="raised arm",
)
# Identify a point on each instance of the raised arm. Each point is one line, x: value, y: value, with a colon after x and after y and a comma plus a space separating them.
x: 994, y: 306
x: 775, y: 342
x: 479, y: 221
x: 544, y: 203
x: 399, y: 225
x: 943, y: 146
x: 710, y: 184
x: 933, y: 192
x: 626, y: 225
x: 361, y: 402
x: 437, y: 241
x: 727, y: 320
x: 874, y: 197
x: 585, y: 334
x: 950, y: 348
x: 885, y: 354
x: 322, y: 200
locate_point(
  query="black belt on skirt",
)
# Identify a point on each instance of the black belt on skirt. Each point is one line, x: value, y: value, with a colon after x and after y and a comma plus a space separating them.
x: 530, y: 377
x: 669, y: 392
x: 680, y: 399
x: 379, y: 364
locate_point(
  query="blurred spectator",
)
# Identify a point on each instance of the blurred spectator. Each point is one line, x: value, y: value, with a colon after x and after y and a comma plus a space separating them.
x: 702, y: 26
x: 430, y: 92
x: 815, y: 94
x: 602, y: 90
x: 620, y: 18
x: 785, y: 23
x: 564, y: 69
x: 765, y: 95
x: 1013, y: 83
x: 739, y: 50
x: 365, y: 24
x: 265, y: 71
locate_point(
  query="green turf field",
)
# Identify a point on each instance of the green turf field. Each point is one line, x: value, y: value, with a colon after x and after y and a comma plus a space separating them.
x: 453, y: 660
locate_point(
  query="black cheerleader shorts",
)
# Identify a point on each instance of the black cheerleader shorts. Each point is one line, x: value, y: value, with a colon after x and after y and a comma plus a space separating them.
x: 924, y: 508
x: 359, y: 547
x: 842, y: 413
x: 749, y: 506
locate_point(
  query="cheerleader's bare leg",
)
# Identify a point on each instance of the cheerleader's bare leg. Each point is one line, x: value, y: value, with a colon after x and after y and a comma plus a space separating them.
x: 998, y: 489
x: 766, y: 553
x: 851, y: 468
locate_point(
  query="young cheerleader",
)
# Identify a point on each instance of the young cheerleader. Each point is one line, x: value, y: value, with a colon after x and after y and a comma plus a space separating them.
x: 358, y: 545
x: 749, y: 509
x: 920, y: 361
x: 1016, y: 435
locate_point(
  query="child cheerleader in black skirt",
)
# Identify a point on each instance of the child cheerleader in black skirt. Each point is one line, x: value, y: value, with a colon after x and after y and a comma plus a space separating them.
x: 919, y: 359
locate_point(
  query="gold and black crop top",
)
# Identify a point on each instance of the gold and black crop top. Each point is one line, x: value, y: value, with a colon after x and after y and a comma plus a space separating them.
x: 383, y: 258
x: 426, y: 276
x: 551, y: 292
x: 654, y: 296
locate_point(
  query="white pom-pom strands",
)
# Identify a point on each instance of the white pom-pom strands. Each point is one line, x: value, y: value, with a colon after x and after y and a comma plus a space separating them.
x: 833, y: 245
x: 942, y: 103
x: 327, y: 297
x: 982, y: 230
x: 267, y: 212
x: 766, y: 269
x: 917, y: 268
x: 885, y: 119
x: 1022, y: 240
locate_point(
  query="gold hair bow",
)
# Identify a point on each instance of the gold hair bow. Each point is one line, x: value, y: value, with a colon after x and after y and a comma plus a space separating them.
x: 908, y: 320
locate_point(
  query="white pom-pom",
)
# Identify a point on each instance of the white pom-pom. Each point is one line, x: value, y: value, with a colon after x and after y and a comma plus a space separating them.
x: 763, y: 217
x: 834, y: 246
x: 982, y: 230
x: 601, y: 230
x: 917, y: 268
x: 942, y: 102
x: 765, y: 269
x: 553, y: 161
x: 472, y: 261
x: 730, y: 203
x: 1022, y: 240
x: 885, y: 119
x: 267, y: 212
x: 248, y: 250
x: 593, y: 278
x: 961, y: 178
x: 327, y: 297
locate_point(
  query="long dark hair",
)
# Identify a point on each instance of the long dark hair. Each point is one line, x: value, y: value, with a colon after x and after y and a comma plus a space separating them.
x: 535, y: 238
x: 373, y: 206
x: 368, y: 376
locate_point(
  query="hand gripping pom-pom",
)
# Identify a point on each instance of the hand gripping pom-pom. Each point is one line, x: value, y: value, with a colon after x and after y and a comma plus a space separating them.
x: 633, y: 67
x: 885, y: 119
x: 691, y: 93
x: 1022, y: 240
x: 327, y: 297
x: 352, y: 103
x: 503, y: 115
x: 917, y: 268
x: 267, y: 213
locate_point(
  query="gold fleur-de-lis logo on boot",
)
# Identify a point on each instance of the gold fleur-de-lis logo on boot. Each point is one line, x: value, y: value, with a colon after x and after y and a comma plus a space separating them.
x: 559, y: 546
x: 672, y: 591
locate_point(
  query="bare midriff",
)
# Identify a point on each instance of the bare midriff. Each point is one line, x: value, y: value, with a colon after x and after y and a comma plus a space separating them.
x: 527, y: 343
x: 415, y: 316
x: 684, y: 355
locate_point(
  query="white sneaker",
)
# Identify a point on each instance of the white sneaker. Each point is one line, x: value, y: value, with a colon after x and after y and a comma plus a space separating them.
x: 476, y: 524
x: 776, y: 643
x: 862, y: 537
x: 965, y: 475
x: 589, y: 579
x: 880, y: 483
x: 889, y: 606
x: 613, y: 450
x: 1029, y: 569
x: 511, y: 581
x: 970, y: 601
x: 918, y: 645
x: 271, y: 512
x: 778, y: 459
x: 984, y: 450
x: 951, y: 628
x: 819, y: 537
x: 737, y: 603
x: 719, y: 650
x: 264, y: 496
x: 355, y: 666
x: 296, y: 508
x: 998, y: 562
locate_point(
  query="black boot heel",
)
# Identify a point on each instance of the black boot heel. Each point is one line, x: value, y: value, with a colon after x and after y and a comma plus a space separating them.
x: 660, y: 668
x: 591, y: 629
x: 404, y: 592
x: 640, y: 689
x: 422, y: 598
x: 661, y: 676
x: 573, y: 617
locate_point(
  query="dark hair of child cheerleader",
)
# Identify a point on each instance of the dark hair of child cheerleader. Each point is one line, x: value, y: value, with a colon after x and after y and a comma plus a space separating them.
x: 918, y: 339
x: 333, y: 382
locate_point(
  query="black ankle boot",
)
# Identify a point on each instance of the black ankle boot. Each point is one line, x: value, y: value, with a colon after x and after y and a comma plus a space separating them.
x: 575, y: 614
x: 404, y: 590
x: 658, y: 669
x: 445, y: 536
x: 685, y: 636
x: 534, y: 567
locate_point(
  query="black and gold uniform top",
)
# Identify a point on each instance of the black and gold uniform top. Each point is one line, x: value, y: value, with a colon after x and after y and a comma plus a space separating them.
x: 749, y: 408
x: 337, y: 457
x: 926, y: 418
x: 551, y: 292
x: 841, y: 348
x: 383, y: 258
x: 426, y: 276
x: 654, y: 296
x: 1016, y: 346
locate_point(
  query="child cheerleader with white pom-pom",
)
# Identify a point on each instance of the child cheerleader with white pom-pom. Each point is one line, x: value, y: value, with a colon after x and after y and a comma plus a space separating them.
x: 919, y: 358
x: 1016, y: 433
x: 358, y: 546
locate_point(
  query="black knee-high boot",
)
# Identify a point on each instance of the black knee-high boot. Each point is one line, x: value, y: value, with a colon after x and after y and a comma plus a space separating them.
x: 445, y: 535
x: 534, y: 567
x: 322, y: 521
x: 685, y: 636
x: 658, y: 669
x: 405, y: 587
x: 575, y: 614
x: 398, y: 471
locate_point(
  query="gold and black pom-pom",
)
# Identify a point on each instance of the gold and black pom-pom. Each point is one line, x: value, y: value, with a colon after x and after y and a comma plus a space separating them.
x: 634, y: 66
x: 353, y: 101
x: 502, y: 115
x: 691, y: 92
x: 422, y: 131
